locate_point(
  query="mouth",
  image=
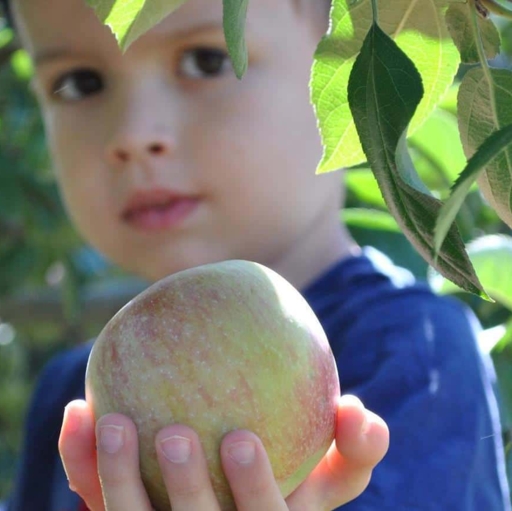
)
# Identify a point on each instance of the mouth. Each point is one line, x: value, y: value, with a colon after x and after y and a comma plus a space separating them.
x: 155, y: 210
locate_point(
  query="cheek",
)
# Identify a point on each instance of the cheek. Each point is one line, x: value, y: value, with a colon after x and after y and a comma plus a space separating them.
x: 85, y: 202
x: 257, y: 129
x: 81, y: 179
x: 67, y: 148
x: 260, y: 155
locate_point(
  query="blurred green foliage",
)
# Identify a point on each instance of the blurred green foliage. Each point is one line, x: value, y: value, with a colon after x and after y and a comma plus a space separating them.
x: 55, y: 291
x: 39, y: 251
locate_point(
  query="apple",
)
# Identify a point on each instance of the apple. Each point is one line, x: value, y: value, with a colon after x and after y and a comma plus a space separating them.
x: 223, y: 346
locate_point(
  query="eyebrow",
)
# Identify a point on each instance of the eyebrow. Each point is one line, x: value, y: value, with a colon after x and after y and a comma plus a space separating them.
x: 51, y: 54
x: 48, y: 55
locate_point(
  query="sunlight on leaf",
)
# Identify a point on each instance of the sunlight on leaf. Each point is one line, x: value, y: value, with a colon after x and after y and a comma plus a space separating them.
x: 487, y: 152
x: 384, y: 91
x: 491, y: 256
x: 449, y: 101
x: 437, y: 142
x: 6, y: 36
x: 369, y: 219
x: 478, y: 119
x: 419, y: 30
x: 362, y: 183
x: 129, y: 19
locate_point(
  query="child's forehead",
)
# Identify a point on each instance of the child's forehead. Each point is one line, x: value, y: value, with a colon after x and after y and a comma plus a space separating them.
x: 49, y: 21
x: 195, y: 6
x: 189, y: 11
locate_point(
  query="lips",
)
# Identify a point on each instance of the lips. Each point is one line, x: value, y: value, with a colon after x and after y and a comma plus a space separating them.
x: 158, y: 209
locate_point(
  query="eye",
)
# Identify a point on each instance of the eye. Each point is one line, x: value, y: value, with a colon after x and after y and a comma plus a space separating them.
x: 75, y: 85
x: 204, y: 62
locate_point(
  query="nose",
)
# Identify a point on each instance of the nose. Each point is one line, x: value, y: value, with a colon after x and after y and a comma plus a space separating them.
x: 139, y: 145
x: 143, y: 123
x: 126, y: 151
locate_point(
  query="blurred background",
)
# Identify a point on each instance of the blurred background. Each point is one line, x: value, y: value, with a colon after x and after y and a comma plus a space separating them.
x: 55, y: 291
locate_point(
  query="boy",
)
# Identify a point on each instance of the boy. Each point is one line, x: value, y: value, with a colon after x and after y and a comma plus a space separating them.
x: 166, y: 161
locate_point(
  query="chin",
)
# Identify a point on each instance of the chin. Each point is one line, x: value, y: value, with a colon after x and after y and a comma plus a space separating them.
x: 154, y: 265
x: 154, y: 272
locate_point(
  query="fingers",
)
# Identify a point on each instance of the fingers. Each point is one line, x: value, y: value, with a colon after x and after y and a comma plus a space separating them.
x: 244, y: 462
x: 249, y: 473
x: 103, y: 467
x: 362, y: 437
x: 77, y: 447
x: 184, y: 469
x: 102, y: 462
x: 118, y: 464
x: 362, y: 440
x: 109, y: 478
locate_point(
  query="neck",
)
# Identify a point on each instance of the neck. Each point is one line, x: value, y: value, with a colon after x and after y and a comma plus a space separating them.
x: 314, y: 252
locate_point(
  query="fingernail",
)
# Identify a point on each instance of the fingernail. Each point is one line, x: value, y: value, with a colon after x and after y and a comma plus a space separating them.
x: 242, y: 452
x: 369, y: 419
x: 73, y: 421
x: 349, y: 399
x: 176, y: 448
x: 111, y: 438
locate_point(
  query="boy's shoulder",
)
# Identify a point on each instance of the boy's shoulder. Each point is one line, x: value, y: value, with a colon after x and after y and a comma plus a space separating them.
x: 61, y: 381
x: 370, y: 281
x: 66, y: 364
x: 63, y: 376
x: 368, y: 297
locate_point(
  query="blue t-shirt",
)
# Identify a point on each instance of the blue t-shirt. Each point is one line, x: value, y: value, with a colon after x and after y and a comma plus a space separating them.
x: 411, y: 356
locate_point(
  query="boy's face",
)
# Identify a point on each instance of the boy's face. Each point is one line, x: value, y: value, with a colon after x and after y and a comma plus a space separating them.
x: 165, y: 159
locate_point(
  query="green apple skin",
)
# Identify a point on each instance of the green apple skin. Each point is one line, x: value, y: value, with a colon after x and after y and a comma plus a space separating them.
x: 223, y: 346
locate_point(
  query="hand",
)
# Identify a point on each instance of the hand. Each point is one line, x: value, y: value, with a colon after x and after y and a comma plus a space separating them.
x: 111, y: 480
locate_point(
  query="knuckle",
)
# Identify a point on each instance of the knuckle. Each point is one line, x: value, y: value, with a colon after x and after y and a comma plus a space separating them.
x: 256, y: 487
x: 114, y: 478
x: 187, y: 491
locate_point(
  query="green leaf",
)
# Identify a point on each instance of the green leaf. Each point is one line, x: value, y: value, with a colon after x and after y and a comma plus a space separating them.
x: 11, y: 195
x: 22, y: 65
x: 363, y: 185
x: 502, y: 361
x: 437, y: 140
x: 449, y: 101
x: 369, y: 219
x: 506, y: 34
x: 370, y: 227
x: 405, y: 167
x: 16, y: 260
x: 384, y: 91
x: 491, y: 256
x: 483, y: 109
x: 490, y: 149
x: 6, y: 36
x: 235, y: 14
x: 418, y: 28
x: 129, y: 19
x: 504, y: 343
x: 458, y: 19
